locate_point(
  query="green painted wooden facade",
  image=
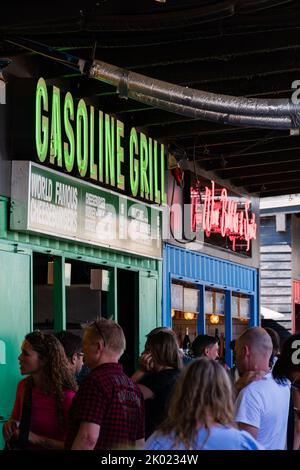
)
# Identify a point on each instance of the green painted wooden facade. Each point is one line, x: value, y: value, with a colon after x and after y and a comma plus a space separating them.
x: 16, y: 254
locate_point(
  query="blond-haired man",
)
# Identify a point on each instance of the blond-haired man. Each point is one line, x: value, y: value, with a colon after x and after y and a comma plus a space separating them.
x: 108, y: 410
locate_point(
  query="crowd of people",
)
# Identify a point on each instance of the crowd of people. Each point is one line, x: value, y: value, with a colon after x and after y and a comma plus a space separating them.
x: 172, y: 401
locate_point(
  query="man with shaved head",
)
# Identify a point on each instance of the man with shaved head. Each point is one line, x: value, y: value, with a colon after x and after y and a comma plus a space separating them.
x: 262, y: 406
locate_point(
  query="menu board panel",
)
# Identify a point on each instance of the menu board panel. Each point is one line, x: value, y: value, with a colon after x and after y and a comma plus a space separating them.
x: 46, y: 201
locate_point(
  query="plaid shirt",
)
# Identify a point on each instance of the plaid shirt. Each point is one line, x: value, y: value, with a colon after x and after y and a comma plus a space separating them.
x: 109, y: 398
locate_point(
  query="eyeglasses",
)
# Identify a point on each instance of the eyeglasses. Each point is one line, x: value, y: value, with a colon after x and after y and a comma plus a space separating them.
x: 81, y: 354
x: 99, y: 331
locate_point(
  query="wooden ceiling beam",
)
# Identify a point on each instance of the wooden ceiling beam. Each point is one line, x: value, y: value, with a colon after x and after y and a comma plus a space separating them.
x: 258, y: 171
x: 270, y: 187
x: 252, y: 159
x: 281, y: 192
x: 215, y: 71
x: 271, y: 179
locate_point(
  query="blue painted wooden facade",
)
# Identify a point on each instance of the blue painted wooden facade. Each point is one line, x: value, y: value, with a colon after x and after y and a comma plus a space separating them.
x: 207, y: 271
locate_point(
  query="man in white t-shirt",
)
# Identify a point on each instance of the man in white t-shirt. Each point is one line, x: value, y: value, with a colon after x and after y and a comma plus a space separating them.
x: 262, y: 406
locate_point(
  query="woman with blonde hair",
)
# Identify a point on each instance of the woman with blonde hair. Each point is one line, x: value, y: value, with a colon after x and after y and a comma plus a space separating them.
x: 200, y: 415
x: 43, y: 399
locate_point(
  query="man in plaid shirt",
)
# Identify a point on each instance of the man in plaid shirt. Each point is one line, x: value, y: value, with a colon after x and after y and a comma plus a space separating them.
x: 108, y: 409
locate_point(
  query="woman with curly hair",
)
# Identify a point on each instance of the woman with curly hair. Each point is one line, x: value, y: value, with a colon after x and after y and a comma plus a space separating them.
x: 200, y: 415
x: 45, y: 396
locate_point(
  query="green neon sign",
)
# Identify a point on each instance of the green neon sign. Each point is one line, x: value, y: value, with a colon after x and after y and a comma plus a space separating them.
x: 41, y: 121
x: 81, y: 140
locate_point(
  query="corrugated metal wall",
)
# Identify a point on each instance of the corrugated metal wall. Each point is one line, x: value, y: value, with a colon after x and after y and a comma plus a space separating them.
x: 214, y: 271
x: 204, y: 270
x: 276, y: 268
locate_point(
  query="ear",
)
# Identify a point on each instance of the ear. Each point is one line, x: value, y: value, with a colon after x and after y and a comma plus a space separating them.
x: 206, y: 351
x: 73, y: 359
x: 246, y: 350
x: 99, y: 346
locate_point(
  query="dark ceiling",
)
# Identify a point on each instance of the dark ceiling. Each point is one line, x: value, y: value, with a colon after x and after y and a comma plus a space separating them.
x: 245, y: 48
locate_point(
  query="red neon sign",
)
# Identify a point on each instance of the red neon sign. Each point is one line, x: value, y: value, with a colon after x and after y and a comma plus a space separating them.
x: 221, y: 215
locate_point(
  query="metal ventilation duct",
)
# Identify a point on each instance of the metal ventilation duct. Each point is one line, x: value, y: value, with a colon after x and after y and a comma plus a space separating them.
x: 259, y: 113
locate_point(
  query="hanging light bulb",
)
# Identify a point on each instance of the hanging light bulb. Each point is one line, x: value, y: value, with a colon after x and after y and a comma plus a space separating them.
x: 173, y: 313
x: 214, y: 319
x: 188, y: 316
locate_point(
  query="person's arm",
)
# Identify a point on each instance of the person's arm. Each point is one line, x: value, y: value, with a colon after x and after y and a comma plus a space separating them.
x: 297, y: 432
x: 297, y: 419
x: 248, y: 409
x: 90, y: 407
x: 9, y: 428
x: 139, y: 444
x: 145, y: 364
x: 140, y: 434
x: 250, y: 429
x: 87, y: 436
x: 45, y: 442
x: 147, y: 393
x: 138, y: 374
